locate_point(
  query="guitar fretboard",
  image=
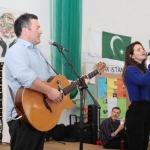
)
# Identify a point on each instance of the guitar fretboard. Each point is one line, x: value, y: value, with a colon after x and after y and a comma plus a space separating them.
x: 74, y: 85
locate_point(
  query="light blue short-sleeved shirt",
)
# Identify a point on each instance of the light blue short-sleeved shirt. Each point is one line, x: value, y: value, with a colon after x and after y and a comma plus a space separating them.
x: 23, y: 64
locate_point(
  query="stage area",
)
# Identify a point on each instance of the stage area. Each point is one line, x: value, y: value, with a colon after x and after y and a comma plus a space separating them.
x: 52, y: 145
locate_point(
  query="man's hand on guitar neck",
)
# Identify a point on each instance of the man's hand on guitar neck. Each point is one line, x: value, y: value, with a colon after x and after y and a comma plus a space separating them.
x: 87, y: 81
x: 52, y: 93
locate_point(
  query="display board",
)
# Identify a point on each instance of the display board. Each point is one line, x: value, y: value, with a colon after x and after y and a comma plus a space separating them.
x: 108, y: 89
x: 111, y: 92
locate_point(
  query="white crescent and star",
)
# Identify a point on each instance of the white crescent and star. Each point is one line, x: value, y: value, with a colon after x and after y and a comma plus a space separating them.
x: 112, y: 42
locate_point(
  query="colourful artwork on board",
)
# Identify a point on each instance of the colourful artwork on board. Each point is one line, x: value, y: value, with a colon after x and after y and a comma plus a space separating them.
x: 111, y: 93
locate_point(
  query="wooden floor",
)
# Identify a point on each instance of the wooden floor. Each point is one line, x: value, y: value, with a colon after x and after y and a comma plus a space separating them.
x: 52, y: 145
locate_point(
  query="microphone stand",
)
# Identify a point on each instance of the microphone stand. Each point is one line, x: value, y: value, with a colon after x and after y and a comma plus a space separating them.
x: 83, y: 87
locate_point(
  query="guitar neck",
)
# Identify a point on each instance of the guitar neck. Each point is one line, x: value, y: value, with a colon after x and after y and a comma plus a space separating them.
x: 92, y: 74
x: 74, y: 85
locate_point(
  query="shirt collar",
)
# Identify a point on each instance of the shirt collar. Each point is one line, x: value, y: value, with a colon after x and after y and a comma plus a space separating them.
x: 113, y: 121
x: 26, y: 43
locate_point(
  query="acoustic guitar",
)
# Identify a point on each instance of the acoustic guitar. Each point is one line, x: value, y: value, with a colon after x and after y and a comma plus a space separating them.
x: 38, y: 111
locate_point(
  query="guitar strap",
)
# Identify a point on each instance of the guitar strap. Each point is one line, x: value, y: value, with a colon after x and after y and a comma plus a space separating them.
x: 49, y: 64
x: 18, y: 117
x: 11, y: 93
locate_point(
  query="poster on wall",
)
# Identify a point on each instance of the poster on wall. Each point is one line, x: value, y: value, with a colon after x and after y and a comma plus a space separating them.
x: 111, y: 93
x: 108, y: 89
x: 7, y: 34
x: 7, y: 39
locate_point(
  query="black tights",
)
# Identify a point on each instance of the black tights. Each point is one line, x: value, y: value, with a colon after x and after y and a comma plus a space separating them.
x: 138, y: 125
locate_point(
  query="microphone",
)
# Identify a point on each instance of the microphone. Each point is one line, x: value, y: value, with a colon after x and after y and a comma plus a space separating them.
x: 51, y: 42
x: 147, y: 53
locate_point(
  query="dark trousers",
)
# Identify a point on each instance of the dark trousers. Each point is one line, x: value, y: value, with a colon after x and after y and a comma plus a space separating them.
x: 23, y: 138
x: 115, y: 143
x: 138, y: 125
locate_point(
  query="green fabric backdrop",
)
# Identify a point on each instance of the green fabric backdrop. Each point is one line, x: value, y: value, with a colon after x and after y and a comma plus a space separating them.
x: 66, y: 29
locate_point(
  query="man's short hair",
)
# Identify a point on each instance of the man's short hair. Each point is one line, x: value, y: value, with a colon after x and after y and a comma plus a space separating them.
x: 116, y: 108
x: 23, y: 21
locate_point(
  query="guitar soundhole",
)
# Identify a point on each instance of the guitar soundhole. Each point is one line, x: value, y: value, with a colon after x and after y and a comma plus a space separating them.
x: 47, y: 105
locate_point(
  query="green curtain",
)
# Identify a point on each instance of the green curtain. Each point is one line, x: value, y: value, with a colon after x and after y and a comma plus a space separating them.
x: 66, y: 29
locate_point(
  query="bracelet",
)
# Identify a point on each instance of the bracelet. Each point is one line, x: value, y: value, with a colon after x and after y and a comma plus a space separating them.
x: 113, y: 134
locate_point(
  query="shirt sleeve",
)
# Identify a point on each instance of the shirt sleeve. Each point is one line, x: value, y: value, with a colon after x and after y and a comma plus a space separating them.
x: 19, y: 69
x: 136, y: 77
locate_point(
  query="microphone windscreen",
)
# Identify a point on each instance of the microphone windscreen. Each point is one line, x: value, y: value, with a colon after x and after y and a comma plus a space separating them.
x: 51, y: 42
x: 147, y: 53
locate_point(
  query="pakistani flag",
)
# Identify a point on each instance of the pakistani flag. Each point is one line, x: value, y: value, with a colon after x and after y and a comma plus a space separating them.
x: 114, y: 45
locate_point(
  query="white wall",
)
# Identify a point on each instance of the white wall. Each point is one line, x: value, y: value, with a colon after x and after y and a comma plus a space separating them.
x: 130, y: 18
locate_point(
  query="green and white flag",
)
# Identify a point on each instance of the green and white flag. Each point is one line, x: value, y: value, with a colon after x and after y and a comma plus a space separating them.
x: 114, y: 45
x: 108, y: 45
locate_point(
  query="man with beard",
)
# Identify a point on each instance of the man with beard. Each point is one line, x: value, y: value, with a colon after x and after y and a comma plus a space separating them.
x: 112, y: 131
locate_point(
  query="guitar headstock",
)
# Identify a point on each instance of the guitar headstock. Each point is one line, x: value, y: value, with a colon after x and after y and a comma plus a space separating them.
x: 101, y: 66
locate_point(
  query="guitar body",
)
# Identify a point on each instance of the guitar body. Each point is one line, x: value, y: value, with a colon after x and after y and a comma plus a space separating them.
x: 35, y: 115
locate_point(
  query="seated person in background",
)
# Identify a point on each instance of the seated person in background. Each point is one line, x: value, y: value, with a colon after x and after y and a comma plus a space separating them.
x: 112, y: 130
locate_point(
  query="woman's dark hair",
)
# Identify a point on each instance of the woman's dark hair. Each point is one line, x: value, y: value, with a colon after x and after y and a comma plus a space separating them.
x: 129, y: 61
x: 23, y: 21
